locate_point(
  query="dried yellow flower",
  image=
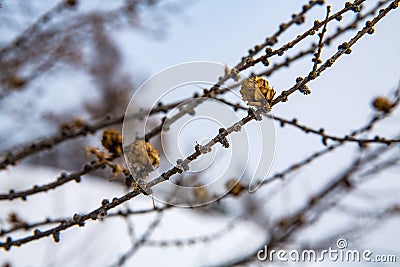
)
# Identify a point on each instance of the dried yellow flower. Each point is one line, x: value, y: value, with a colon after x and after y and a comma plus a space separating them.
x: 116, y: 170
x: 234, y: 187
x: 142, y: 156
x: 200, y: 194
x: 100, y: 155
x: 112, y: 141
x: 257, y: 92
x: 142, y: 159
x: 382, y: 104
x: 153, y: 155
x: 76, y: 124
